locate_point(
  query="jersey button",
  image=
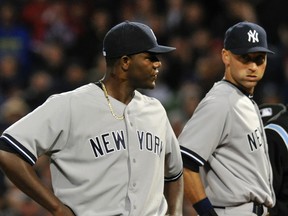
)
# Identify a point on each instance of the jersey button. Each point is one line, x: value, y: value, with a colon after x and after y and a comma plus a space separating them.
x: 134, y: 184
x: 134, y: 160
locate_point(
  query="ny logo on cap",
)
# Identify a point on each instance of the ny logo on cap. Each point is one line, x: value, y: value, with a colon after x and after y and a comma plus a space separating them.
x: 253, y: 36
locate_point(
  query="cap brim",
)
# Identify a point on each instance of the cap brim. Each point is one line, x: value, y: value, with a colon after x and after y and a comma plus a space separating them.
x: 250, y: 50
x: 161, y: 49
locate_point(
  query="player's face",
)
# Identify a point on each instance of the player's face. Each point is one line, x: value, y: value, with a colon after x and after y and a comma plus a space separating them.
x: 245, y: 71
x: 143, y: 70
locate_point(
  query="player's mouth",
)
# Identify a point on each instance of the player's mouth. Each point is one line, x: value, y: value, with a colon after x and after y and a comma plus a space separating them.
x: 155, y: 75
x: 252, y: 78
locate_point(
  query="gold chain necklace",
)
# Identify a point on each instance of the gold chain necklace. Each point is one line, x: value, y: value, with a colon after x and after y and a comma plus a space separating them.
x: 109, y: 103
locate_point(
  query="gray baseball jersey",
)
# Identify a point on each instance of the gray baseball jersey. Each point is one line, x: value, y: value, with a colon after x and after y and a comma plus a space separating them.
x: 101, y: 165
x: 226, y: 132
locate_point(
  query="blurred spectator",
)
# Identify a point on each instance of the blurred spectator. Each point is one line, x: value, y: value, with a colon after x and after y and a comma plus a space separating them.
x: 11, y: 82
x: 11, y: 110
x: 89, y: 44
x: 282, y: 69
x: 276, y: 9
x: 58, y: 21
x: 40, y: 87
x: 32, y: 15
x: 14, y: 39
x: 144, y: 11
x: 180, y: 67
x: 271, y: 94
x: 52, y: 59
x: 58, y: 29
x: 189, y: 96
x: 77, y: 13
x: 183, y: 105
x: 194, y: 17
x: 174, y: 14
x: 98, y: 69
x: 233, y: 11
x: 75, y: 75
x: 207, y: 70
x: 127, y: 11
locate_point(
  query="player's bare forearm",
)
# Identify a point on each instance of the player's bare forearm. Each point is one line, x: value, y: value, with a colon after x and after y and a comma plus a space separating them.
x: 174, y: 196
x: 25, y: 178
x: 193, y: 186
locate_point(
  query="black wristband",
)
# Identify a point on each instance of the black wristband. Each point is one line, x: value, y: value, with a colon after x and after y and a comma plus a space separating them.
x: 204, y: 208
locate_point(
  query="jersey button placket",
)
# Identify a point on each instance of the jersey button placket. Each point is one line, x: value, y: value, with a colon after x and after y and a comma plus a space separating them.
x: 130, y: 122
x: 134, y: 184
x: 132, y: 149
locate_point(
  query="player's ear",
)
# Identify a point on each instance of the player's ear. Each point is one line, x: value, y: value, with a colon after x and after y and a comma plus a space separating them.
x: 225, y: 56
x: 125, y: 61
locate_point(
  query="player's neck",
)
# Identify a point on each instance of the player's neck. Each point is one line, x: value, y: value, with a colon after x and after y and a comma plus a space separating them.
x: 119, y: 90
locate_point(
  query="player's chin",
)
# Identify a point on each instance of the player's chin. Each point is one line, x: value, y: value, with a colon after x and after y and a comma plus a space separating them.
x: 249, y: 85
x: 151, y: 84
x: 147, y: 85
x: 252, y: 83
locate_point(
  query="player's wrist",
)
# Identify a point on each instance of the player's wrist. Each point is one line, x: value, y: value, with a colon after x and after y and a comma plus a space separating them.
x: 204, y: 208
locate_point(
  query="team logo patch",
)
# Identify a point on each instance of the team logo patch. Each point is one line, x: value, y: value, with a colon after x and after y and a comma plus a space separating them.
x: 266, y: 112
x: 253, y: 36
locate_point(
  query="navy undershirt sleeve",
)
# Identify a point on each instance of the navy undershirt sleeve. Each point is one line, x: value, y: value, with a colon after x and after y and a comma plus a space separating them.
x: 6, y: 147
x: 190, y: 164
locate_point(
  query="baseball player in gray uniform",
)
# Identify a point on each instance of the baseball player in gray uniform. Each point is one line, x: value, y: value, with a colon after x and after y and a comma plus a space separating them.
x: 223, y: 145
x: 111, y: 147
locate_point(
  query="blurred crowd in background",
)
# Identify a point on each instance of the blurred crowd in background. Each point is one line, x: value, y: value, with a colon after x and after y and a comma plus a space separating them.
x: 51, y: 46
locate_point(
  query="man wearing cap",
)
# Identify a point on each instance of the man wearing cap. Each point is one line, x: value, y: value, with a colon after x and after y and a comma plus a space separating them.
x: 112, y: 149
x: 223, y: 145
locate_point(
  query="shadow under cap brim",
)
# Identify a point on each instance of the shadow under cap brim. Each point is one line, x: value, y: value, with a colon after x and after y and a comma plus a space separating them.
x: 243, y: 51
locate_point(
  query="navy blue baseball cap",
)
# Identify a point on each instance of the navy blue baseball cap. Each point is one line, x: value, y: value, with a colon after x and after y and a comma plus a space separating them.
x: 246, y: 37
x: 129, y: 38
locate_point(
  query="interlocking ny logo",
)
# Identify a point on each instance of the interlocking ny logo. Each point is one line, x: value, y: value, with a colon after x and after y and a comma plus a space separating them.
x: 253, y: 36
